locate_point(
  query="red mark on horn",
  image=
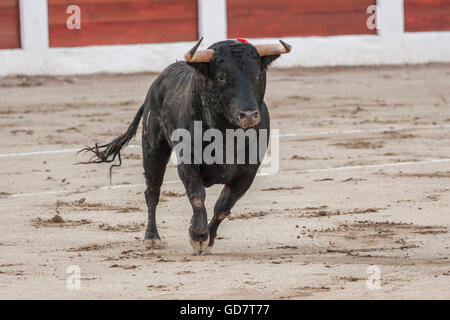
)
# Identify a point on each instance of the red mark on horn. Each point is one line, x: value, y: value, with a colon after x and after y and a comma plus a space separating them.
x: 242, y: 40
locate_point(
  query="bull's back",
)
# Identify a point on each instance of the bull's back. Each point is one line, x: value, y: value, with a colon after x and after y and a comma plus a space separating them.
x: 172, y: 94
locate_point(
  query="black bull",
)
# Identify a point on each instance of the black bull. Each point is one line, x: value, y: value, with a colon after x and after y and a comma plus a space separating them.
x: 223, y: 87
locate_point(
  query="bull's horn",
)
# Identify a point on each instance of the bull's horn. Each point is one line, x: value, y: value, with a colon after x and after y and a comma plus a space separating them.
x: 198, y: 56
x: 273, y: 49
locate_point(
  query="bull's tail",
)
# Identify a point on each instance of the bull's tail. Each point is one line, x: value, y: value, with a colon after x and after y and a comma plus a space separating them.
x: 108, y: 152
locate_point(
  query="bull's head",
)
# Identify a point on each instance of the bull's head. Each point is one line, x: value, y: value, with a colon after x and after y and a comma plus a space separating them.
x: 235, y: 74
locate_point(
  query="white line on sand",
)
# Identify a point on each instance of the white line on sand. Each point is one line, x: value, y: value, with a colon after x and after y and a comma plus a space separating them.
x: 298, y: 134
x: 121, y: 186
x: 33, y: 153
x: 355, y: 131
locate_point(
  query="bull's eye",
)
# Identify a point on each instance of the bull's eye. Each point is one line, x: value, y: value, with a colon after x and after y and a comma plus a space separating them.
x: 221, y: 77
x: 258, y: 76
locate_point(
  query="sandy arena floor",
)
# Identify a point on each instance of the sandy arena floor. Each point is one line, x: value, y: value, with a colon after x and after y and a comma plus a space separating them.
x: 364, y: 180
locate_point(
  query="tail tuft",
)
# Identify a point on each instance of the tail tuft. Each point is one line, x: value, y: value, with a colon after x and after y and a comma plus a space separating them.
x: 108, y: 152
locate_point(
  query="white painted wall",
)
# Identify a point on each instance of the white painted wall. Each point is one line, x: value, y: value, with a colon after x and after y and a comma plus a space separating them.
x: 33, y: 25
x: 390, y: 46
x: 212, y: 20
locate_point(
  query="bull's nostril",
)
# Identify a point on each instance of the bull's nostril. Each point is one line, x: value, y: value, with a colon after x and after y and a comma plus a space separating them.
x: 248, y: 117
x: 248, y: 114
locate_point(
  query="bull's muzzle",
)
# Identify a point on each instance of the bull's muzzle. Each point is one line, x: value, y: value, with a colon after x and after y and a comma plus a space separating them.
x: 248, y: 118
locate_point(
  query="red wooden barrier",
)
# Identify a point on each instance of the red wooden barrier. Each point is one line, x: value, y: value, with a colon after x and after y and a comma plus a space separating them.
x: 9, y: 24
x: 106, y: 22
x: 270, y: 18
x: 427, y: 15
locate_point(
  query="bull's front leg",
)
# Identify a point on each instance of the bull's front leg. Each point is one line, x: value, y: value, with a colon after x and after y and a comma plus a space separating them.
x: 198, y: 231
x: 231, y: 193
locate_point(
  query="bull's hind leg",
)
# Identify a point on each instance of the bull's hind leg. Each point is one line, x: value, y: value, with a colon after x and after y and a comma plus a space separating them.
x: 156, y: 156
x: 231, y: 193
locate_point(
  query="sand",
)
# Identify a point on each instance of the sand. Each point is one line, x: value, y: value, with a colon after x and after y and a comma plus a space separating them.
x: 359, y: 207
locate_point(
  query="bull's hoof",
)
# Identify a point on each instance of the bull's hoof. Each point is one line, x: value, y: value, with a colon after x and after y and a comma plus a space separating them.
x: 207, y: 251
x: 199, y: 246
x: 154, y: 244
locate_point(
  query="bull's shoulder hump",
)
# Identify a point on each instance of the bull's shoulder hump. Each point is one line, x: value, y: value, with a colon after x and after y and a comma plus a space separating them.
x: 175, y: 76
x: 179, y: 68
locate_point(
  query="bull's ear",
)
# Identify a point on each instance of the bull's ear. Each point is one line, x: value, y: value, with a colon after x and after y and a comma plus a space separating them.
x: 201, y: 67
x: 267, y: 60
